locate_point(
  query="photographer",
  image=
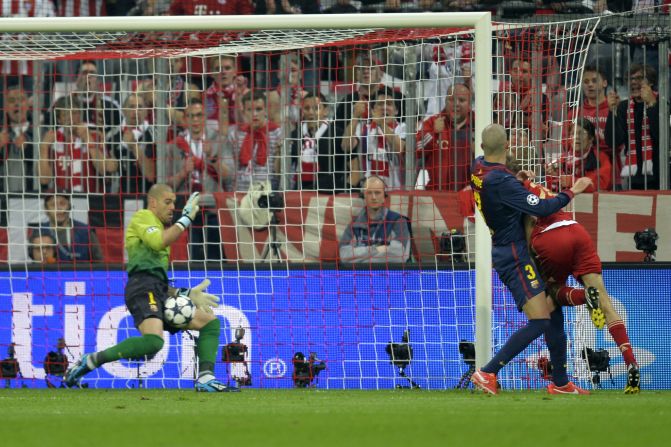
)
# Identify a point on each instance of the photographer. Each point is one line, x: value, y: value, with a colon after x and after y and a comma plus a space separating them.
x: 377, y: 234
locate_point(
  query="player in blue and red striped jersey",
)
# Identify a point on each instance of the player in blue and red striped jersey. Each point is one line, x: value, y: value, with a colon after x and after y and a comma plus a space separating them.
x: 503, y: 202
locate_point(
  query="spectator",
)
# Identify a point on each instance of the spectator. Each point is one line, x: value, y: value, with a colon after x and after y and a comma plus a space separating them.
x: 222, y: 97
x: 196, y: 163
x: 180, y: 86
x: 42, y: 247
x: 256, y: 145
x: 594, y: 108
x: 71, y: 155
x: 445, y: 142
x: 321, y: 164
x: 99, y: 111
x: 147, y: 91
x: 14, y: 71
x: 518, y: 96
x: 584, y: 159
x: 75, y: 240
x: 377, y: 234
x: 18, y: 153
x: 136, y: 152
x: 379, y: 141
x: 367, y: 76
x: 444, y: 65
x: 289, y: 74
x: 522, y: 150
x: 67, y: 68
x: 196, y: 157
x: 633, y: 124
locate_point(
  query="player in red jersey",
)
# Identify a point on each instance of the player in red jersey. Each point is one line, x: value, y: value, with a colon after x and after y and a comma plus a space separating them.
x: 563, y: 247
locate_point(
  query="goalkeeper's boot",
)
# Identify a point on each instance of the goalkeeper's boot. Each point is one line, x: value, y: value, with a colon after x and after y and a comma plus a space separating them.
x: 74, y: 374
x: 485, y: 381
x: 569, y: 388
x: 595, y: 312
x: 208, y: 384
x: 633, y: 380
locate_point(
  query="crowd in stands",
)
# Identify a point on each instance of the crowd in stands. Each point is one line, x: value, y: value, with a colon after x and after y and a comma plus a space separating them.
x: 343, y: 114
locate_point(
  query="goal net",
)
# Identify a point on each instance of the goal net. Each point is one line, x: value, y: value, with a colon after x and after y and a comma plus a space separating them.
x: 278, y: 126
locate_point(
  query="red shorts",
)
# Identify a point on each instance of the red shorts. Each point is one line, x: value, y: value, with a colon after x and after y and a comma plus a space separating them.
x: 565, y: 251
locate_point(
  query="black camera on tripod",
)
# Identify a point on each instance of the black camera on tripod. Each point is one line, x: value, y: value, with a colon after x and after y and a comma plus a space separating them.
x: 598, y: 361
x: 453, y: 245
x: 306, y: 370
x: 55, y: 362
x: 646, y: 241
x: 400, y: 355
x: 236, y: 352
x: 467, y: 351
x: 9, y: 367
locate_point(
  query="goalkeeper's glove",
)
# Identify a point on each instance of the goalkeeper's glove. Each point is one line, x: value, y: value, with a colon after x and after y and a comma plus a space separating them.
x: 189, y: 212
x: 202, y: 300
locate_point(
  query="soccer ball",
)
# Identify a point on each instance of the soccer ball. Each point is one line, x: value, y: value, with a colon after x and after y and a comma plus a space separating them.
x: 178, y: 311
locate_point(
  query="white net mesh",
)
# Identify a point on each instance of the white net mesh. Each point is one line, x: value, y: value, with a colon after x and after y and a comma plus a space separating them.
x: 226, y: 112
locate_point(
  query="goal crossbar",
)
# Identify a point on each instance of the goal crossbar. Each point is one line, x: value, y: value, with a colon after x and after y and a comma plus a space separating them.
x: 244, y: 22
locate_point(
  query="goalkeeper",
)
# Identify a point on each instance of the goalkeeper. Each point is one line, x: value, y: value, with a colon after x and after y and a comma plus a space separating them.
x: 148, y: 246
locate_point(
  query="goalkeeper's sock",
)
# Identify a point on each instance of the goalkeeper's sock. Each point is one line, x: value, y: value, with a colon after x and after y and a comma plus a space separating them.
x: 516, y: 344
x: 570, y: 296
x: 208, y: 344
x: 131, y: 348
x: 618, y: 331
x: 555, y: 338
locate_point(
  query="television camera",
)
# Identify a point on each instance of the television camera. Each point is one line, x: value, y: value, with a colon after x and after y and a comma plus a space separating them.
x: 236, y: 352
x: 9, y: 367
x: 306, y: 370
x: 453, y: 246
x: 598, y: 361
x: 259, y: 209
x: 646, y: 241
x: 467, y: 351
x: 400, y: 355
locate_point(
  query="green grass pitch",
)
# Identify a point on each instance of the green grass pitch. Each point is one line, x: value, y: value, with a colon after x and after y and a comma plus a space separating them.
x: 312, y: 417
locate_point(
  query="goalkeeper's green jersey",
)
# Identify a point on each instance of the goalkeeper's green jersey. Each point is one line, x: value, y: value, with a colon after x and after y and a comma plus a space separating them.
x: 144, y: 244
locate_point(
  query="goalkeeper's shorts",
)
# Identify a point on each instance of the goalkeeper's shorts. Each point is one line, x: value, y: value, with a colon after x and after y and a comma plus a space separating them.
x: 145, y: 298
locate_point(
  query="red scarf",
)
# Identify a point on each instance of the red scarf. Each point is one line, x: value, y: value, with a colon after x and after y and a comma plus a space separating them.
x: 199, y: 165
x: 310, y: 151
x: 378, y: 164
x: 630, y: 167
x: 255, y: 138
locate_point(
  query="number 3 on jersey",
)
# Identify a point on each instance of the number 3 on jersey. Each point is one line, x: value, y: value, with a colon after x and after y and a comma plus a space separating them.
x: 531, y: 273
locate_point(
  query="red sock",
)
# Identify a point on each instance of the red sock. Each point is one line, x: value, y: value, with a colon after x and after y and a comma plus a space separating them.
x: 570, y: 296
x: 619, y: 334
